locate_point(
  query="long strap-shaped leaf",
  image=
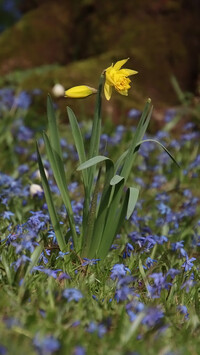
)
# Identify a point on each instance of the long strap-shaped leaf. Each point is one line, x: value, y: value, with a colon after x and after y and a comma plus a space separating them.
x: 108, y: 236
x: 78, y: 140
x: 96, y: 132
x: 50, y: 204
x: 163, y: 147
x: 91, y: 240
x: 139, y: 133
x: 102, y: 211
x: 54, y: 135
x: 54, y: 161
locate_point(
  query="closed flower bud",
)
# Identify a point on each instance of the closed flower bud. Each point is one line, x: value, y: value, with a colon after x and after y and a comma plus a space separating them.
x: 58, y: 90
x: 80, y: 91
x: 38, y: 176
x: 35, y: 189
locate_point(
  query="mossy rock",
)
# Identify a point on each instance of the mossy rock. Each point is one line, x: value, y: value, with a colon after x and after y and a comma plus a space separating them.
x: 86, y: 37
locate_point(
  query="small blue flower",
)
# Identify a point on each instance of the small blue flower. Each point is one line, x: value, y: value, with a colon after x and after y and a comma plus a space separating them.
x: 47, y: 345
x: 7, y: 215
x: 188, y: 284
x: 188, y: 264
x: 153, y: 317
x: 61, y: 255
x: 49, y: 272
x: 3, y: 350
x: 79, y: 350
x: 72, y: 294
x: 134, y: 113
x: 89, y: 261
x: 118, y: 271
x: 149, y: 262
x: 183, y: 309
x: 100, y: 329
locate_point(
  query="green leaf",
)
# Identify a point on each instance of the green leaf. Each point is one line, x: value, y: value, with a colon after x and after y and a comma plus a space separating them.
x: 78, y: 139
x: 95, y: 134
x: 54, y: 134
x: 116, y: 179
x: 96, y: 127
x: 120, y: 160
x: 34, y: 258
x: 60, y: 180
x: 109, y: 229
x: 52, y: 212
x: 163, y: 147
x: 139, y: 133
x: 133, y: 197
x: 92, y: 162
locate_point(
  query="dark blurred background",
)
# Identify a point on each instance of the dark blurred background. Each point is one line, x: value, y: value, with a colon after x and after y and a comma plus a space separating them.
x: 70, y: 42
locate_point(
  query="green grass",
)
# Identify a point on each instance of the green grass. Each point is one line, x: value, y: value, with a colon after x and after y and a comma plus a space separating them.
x: 32, y: 304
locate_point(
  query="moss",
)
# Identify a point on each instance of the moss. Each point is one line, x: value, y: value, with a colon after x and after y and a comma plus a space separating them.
x: 97, y: 34
x: 32, y: 42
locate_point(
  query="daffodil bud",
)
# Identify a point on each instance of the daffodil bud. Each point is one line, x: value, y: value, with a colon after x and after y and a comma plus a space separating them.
x: 80, y: 91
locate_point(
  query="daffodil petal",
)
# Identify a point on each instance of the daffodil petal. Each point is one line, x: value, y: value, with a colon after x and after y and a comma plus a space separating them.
x: 119, y: 64
x: 128, y: 72
x: 107, y: 91
x: 123, y: 92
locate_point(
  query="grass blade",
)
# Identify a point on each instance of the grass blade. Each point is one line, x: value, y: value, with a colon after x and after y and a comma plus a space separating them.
x: 139, y: 133
x: 62, y: 187
x: 133, y: 197
x: 78, y: 139
x: 50, y: 204
x: 109, y: 231
x: 163, y: 147
x: 91, y: 162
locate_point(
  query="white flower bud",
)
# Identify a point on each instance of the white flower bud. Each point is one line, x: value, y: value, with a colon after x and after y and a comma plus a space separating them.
x: 35, y: 189
x: 58, y: 90
x: 38, y: 176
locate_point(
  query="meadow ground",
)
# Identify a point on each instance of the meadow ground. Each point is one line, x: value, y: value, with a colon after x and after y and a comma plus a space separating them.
x: 144, y: 297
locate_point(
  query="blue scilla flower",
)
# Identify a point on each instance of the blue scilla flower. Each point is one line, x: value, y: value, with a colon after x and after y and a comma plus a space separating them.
x: 160, y: 283
x: 24, y: 134
x: 158, y: 181
x: 7, y: 215
x: 89, y: 261
x: 61, y: 254
x: 47, y: 345
x: 149, y: 262
x: 123, y: 292
x: 128, y: 250
x: 72, y: 294
x: 3, y: 350
x: 153, y: 317
x: 170, y: 113
x: 189, y: 283
x: 173, y: 272
x: 188, y: 264
x: 22, y: 260
x: 134, y: 113
x: 79, y: 350
x: 183, y: 310
x: 6, y: 99
x: 23, y: 100
x: 100, y: 329
x: 118, y: 271
x: 49, y: 272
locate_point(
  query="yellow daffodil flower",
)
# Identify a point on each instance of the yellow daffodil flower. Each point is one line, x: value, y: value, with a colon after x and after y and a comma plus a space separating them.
x: 80, y: 91
x: 117, y: 77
